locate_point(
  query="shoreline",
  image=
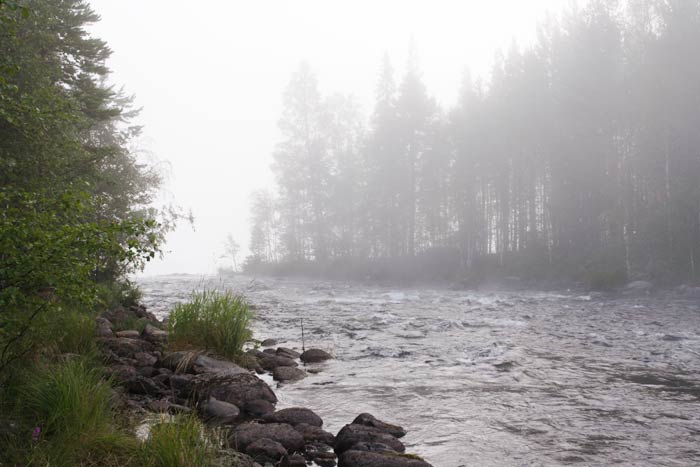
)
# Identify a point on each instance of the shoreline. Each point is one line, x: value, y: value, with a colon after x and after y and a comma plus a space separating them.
x: 229, y: 396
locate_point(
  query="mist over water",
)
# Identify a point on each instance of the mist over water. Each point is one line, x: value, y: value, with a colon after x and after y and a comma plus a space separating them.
x: 488, y: 378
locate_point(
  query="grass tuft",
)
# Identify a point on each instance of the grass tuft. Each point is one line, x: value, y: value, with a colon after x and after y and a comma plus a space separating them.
x: 67, y: 408
x: 213, y: 321
x: 180, y: 442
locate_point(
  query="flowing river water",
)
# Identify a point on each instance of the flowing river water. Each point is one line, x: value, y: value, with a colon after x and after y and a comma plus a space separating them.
x: 488, y: 378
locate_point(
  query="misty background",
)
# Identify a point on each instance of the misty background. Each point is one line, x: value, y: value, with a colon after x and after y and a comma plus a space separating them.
x: 210, y: 80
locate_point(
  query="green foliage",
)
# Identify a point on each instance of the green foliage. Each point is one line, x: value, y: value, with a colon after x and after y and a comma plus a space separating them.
x: 120, y: 292
x: 51, y: 249
x: 211, y: 320
x: 68, y: 420
x: 75, y: 333
x: 180, y: 442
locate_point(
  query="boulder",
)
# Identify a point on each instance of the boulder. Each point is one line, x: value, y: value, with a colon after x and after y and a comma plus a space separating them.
x: 125, y: 347
x: 131, y: 334
x: 295, y: 460
x: 355, y: 458
x: 258, y: 408
x: 247, y: 433
x: 266, y: 450
x: 145, y: 358
x: 315, y: 356
x: 314, y: 435
x: 350, y: 435
x: 369, y: 420
x: 294, y: 416
x: 289, y: 353
x: 268, y: 343
x: 144, y: 386
x: 153, y: 334
x: 190, y: 362
x: 288, y: 373
x: 104, y: 327
x: 237, y: 389
x: 270, y: 362
x: 219, y: 412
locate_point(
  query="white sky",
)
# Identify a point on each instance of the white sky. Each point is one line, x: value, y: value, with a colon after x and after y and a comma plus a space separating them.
x: 210, y: 77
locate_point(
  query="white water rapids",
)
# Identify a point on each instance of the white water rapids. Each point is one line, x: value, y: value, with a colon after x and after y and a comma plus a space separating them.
x: 488, y: 378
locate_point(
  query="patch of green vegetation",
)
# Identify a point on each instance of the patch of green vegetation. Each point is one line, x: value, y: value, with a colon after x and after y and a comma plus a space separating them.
x: 181, y: 442
x: 212, y: 321
x: 64, y: 413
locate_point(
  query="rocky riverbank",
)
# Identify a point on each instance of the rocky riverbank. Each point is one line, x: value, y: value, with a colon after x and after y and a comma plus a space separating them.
x: 234, y: 398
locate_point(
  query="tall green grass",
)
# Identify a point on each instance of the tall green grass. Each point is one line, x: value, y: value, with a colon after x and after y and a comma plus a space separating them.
x: 211, y: 320
x: 181, y: 442
x: 69, y: 419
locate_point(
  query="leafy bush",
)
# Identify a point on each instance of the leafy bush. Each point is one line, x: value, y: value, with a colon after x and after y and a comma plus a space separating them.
x: 119, y: 293
x: 211, y: 320
x: 67, y: 411
x: 180, y: 442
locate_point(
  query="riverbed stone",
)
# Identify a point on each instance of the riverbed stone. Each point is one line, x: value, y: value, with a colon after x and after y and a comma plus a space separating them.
x: 268, y: 343
x: 294, y: 416
x: 370, y: 420
x: 315, y: 356
x: 258, y: 408
x: 288, y: 374
x: 353, y: 458
x: 237, y: 389
x: 271, y: 361
x: 245, y: 434
x: 130, y: 333
x: 314, y: 434
x: 153, y: 334
x: 287, y: 352
x: 352, y: 434
x: 266, y: 450
x: 219, y: 412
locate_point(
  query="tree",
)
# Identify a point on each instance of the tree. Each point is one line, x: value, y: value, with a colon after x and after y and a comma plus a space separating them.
x: 231, y: 247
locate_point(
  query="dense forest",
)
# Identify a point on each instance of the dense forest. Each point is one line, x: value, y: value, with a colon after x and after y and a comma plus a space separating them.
x: 76, y: 215
x: 578, y: 159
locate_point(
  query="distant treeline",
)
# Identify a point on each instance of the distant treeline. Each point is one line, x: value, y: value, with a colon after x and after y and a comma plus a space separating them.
x: 579, y: 159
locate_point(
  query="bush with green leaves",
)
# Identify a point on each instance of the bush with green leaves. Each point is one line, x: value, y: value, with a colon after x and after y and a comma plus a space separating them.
x: 212, y: 321
x: 51, y: 249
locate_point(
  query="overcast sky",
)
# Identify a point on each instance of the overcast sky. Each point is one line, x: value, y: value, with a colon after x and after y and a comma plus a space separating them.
x: 210, y: 77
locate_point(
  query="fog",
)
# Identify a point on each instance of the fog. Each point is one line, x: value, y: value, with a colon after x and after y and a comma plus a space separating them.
x: 210, y: 79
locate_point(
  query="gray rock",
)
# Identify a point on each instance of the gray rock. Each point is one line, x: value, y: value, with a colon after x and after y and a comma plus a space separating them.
x: 219, y: 412
x: 288, y: 373
x: 237, y: 389
x: 355, y: 458
x: 314, y: 434
x: 104, y: 327
x: 258, y: 408
x: 204, y: 364
x: 369, y: 420
x: 294, y: 416
x: 145, y: 358
x: 350, y: 435
x: 289, y: 353
x: 154, y: 334
x: 266, y: 450
x: 639, y: 285
x: 131, y: 334
x: 268, y: 342
x: 125, y: 347
x: 270, y: 361
x: 247, y: 433
x: 315, y: 356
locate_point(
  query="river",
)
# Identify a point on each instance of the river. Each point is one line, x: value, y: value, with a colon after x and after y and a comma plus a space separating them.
x: 492, y: 378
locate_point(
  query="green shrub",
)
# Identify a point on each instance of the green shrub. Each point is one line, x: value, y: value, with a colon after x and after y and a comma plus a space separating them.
x: 119, y: 293
x: 67, y: 411
x: 180, y: 442
x: 211, y: 320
